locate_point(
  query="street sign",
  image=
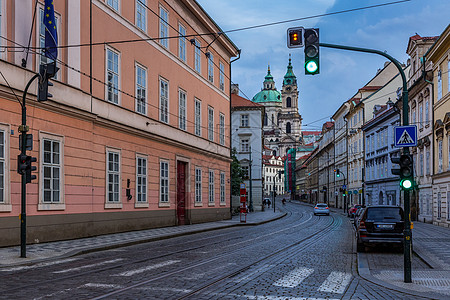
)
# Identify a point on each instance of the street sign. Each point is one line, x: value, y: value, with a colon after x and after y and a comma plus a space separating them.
x: 242, y: 185
x: 344, y: 187
x: 405, y: 136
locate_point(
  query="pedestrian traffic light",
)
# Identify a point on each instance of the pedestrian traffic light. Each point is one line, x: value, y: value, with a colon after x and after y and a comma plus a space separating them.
x: 295, y: 37
x: 406, y: 172
x: 46, y: 71
x: 21, y: 163
x: 395, y: 160
x: 311, y: 37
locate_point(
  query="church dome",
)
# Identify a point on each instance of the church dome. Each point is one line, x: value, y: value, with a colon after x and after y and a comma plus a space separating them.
x: 269, y: 93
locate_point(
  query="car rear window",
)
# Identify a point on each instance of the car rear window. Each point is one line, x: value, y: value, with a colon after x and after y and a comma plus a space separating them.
x: 384, y: 214
x: 322, y: 205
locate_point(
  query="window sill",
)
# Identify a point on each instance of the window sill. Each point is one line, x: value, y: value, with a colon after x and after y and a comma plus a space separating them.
x: 223, y: 203
x: 211, y: 204
x: 5, y: 207
x: 164, y: 204
x: 198, y: 204
x: 51, y: 206
x: 141, y: 205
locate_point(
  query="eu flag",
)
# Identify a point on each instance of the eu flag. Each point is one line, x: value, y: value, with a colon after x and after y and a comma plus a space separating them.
x: 51, y: 37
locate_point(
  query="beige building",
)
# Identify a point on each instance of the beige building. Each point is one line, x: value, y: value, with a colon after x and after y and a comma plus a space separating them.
x: 439, y: 55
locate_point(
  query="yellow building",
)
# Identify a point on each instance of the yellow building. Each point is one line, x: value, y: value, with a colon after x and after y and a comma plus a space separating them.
x: 439, y: 54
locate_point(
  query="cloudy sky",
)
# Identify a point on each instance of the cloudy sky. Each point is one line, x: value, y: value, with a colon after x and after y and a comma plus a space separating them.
x: 342, y: 73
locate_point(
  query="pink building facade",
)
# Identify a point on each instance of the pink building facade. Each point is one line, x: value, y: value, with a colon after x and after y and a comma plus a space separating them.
x: 137, y: 133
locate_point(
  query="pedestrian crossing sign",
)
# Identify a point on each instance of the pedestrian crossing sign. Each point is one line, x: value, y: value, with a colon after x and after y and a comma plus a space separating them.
x: 405, y: 136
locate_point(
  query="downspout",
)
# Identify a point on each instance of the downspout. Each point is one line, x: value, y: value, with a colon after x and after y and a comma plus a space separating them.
x: 363, y: 173
x: 231, y: 189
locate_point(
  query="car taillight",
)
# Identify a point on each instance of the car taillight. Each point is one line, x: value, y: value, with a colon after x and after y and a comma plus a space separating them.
x: 326, y: 207
x: 362, y: 224
x: 316, y: 207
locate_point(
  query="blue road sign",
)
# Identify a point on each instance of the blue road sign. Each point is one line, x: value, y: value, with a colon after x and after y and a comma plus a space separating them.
x: 405, y: 136
x: 344, y: 187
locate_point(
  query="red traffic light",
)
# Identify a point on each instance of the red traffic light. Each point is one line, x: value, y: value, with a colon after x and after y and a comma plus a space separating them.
x: 295, y: 37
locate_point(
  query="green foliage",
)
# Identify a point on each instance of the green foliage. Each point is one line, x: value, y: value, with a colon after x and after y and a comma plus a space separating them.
x: 237, y: 174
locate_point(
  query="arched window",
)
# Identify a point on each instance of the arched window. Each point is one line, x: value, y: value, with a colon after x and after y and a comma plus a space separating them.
x: 265, y: 119
x: 274, y: 153
x: 288, y: 127
x: 288, y: 102
x: 273, y: 119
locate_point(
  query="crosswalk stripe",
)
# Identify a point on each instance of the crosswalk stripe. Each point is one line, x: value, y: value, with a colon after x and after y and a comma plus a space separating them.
x: 89, y: 266
x: 336, y: 282
x: 147, y: 268
x: 294, y: 278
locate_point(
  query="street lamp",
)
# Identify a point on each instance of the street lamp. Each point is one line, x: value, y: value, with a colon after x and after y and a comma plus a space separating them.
x: 344, y: 188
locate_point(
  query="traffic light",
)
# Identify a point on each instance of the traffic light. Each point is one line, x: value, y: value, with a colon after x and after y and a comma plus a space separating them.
x: 311, y: 37
x: 30, y: 168
x: 295, y: 37
x: 46, y: 71
x: 338, y: 173
x: 21, y: 163
x: 406, y: 172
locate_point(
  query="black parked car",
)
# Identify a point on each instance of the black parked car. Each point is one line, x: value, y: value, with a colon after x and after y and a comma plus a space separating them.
x: 380, y: 224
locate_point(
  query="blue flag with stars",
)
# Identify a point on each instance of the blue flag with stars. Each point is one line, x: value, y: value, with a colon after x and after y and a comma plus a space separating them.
x: 51, y: 36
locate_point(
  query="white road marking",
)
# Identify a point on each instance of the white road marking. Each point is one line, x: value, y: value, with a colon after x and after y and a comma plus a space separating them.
x: 102, y: 285
x: 89, y: 266
x: 281, y: 298
x: 148, y: 268
x: 39, y: 265
x: 294, y: 278
x: 252, y: 274
x: 336, y: 282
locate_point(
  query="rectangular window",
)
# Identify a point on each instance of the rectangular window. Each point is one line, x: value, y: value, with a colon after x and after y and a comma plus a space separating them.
x: 197, y: 56
x: 245, y: 145
x: 211, y: 186
x: 42, y: 58
x: 198, y: 185
x: 222, y: 130
x: 141, y: 179
x: 141, y: 14
x: 222, y: 188
x: 163, y: 101
x: 182, y: 109
x: 440, y: 156
x: 244, y: 120
x: 2, y: 164
x: 52, y: 171
x: 112, y: 74
x: 164, y: 182
x: 439, y: 85
x: 421, y: 164
x: 420, y: 115
x: 1, y: 28
x: 163, y: 27
x: 439, y: 206
x: 198, y: 119
x: 427, y: 112
x: 113, y: 179
x: 211, y: 67
x: 210, y: 124
x: 221, y: 76
x: 413, y: 113
x: 182, y: 43
x: 428, y: 161
x: 245, y: 172
x: 114, y: 4
x: 141, y: 90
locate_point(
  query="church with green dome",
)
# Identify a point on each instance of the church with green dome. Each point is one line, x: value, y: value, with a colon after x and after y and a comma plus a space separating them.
x: 282, y: 121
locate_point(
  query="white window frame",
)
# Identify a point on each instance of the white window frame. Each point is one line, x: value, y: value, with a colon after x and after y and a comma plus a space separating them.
x: 211, y: 200
x: 141, y: 15
x: 221, y: 76
x: 439, y: 206
x: 439, y: 85
x: 197, y: 56
x: 182, y: 99
x: 5, y: 204
x: 198, y: 186
x: 41, y: 38
x: 440, y: 159
x: 222, y: 188
x: 421, y: 115
x: 427, y: 112
x: 163, y: 101
x: 182, y: 42
x: 114, y: 4
x: 211, y: 67
x: 198, y: 117
x: 115, y: 73
x: 222, y: 129
x: 428, y: 160
x: 112, y: 203
x: 52, y: 205
x: 141, y: 84
x: 245, y: 120
x: 164, y: 181
x: 141, y: 181
x: 245, y: 144
x: 163, y: 27
x: 210, y: 123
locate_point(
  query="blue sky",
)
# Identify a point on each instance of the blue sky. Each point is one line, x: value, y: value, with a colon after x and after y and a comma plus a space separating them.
x: 342, y: 73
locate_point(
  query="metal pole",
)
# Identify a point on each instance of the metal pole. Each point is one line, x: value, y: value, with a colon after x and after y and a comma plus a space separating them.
x: 23, y: 214
x: 250, y: 180
x: 407, y: 209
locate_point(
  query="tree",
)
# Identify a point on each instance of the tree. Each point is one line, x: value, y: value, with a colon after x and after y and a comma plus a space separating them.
x: 237, y: 174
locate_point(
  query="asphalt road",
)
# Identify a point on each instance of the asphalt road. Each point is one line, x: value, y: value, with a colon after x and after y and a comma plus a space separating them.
x: 299, y: 256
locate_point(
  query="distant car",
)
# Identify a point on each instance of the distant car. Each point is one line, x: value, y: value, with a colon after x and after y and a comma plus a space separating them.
x: 352, y: 210
x: 380, y: 224
x: 321, y: 209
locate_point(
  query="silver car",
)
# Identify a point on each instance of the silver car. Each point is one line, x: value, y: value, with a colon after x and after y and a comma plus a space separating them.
x: 321, y: 209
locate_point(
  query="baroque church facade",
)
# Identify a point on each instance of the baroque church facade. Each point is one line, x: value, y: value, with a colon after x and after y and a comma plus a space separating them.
x: 282, y: 121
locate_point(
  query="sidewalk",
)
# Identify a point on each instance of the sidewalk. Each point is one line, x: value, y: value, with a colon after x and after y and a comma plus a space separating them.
x: 10, y: 256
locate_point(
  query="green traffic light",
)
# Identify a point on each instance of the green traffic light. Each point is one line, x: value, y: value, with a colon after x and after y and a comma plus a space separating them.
x: 311, y: 66
x: 406, y: 184
x: 338, y: 175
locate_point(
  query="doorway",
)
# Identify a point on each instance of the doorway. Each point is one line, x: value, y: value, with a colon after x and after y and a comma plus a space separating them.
x: 181, y: 192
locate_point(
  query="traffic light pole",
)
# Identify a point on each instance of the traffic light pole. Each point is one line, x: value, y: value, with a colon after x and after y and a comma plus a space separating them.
x: 407, y: 252
x: 23, y: 128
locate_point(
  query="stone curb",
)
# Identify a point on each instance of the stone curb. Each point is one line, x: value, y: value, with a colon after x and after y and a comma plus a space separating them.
x: 136, y: 241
